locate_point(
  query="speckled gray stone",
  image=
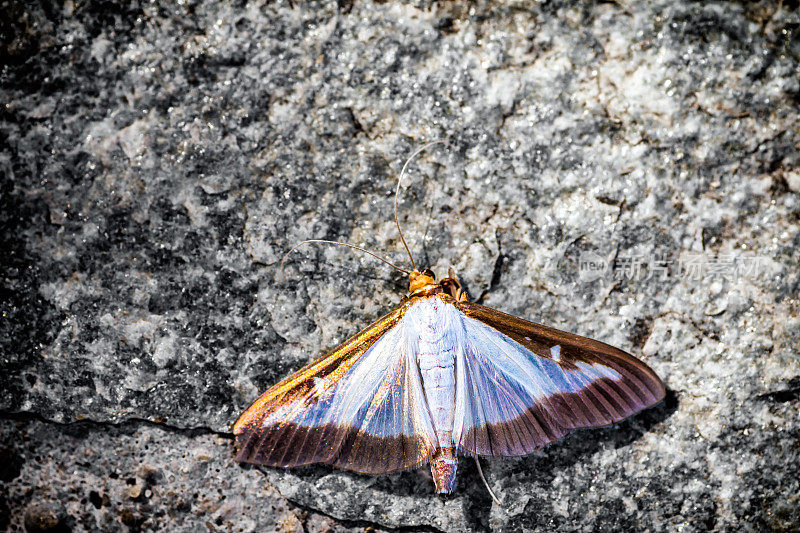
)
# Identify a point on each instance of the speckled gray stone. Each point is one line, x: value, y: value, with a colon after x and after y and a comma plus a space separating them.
x: 158, y: 160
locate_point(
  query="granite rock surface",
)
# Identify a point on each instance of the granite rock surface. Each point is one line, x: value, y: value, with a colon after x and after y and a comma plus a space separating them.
x: 628, y: 171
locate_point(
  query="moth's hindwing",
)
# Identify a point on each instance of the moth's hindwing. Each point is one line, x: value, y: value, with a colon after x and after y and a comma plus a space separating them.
x: 521, y: 385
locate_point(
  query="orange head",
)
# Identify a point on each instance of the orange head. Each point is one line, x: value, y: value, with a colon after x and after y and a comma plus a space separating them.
x: 422, y: 283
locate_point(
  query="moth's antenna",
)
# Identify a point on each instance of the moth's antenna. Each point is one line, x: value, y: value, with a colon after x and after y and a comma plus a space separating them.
x: 480, y: 471
x: 397, y: 192
x: 353, y: 246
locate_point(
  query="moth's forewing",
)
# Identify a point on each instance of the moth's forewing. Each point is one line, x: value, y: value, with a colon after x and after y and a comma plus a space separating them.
x: 359, y: 408
x: 526, y: 385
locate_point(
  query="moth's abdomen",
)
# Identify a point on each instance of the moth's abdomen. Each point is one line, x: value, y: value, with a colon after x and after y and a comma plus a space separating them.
x: 436, y: 357
x: 437, y: 369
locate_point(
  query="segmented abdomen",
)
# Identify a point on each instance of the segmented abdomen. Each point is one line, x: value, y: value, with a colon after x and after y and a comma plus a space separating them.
x: 437, y: 367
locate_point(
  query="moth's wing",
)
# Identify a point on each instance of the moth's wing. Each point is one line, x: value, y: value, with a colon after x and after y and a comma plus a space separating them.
x: 360, y: 408
x: 521, y: 386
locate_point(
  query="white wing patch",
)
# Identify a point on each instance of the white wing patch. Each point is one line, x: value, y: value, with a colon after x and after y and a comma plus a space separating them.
x: 555, y: 352
x: 319, y: 386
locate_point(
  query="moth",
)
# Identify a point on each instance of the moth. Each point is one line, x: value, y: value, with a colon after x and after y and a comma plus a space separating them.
x: 438, y: 376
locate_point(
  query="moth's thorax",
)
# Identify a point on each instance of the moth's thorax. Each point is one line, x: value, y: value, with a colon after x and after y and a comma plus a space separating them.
x: 431, y: 318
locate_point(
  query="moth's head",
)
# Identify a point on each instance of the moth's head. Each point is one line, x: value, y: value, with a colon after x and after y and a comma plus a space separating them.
x: 424, y: 284
x: 421, y: 283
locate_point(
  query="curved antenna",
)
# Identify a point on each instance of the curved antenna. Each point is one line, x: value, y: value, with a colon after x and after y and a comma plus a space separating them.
x: 353, y: 246
x: 397, y: 192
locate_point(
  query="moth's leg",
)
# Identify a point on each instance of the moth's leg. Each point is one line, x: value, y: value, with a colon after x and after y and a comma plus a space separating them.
x: 483, y: 478
x: 451, y: 286
x: 457, y: 292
